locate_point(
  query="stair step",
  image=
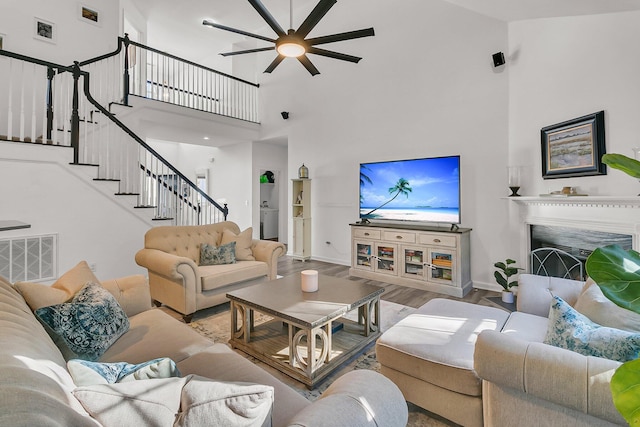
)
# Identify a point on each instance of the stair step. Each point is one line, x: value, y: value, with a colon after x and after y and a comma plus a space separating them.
x: 161, y: 219
x: 144, y: 207
x: 107, y: 179
x: 126, y: 194
x: 84, y: 164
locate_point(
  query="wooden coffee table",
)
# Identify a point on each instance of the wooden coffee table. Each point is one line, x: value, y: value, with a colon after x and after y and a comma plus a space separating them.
x: 307, y: 337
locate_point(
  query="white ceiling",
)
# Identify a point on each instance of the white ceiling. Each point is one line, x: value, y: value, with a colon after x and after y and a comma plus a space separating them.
x: 179, y: 23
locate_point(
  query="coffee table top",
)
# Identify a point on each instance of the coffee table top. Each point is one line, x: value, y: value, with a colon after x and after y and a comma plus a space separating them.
x: 284, y: 298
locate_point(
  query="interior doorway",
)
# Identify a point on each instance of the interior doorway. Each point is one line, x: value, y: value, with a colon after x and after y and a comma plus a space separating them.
x: 269, y: 204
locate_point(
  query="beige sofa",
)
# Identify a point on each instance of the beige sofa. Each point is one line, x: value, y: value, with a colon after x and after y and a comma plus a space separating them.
x: 171, y: 255
x: 481, y: 366
x: 37, y: 390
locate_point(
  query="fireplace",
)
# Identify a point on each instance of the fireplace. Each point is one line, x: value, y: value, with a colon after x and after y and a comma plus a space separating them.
x: 577, y: 242
x: 577, y: 225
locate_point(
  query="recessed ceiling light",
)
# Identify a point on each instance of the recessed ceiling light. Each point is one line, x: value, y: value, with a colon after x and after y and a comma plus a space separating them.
x: 206, y: 138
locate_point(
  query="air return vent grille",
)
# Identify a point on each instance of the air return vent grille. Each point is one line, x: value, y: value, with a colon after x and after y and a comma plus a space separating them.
x: 32, y: 258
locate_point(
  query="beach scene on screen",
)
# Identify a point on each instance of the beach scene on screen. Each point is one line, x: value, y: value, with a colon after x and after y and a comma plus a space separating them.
x: 411, y: 190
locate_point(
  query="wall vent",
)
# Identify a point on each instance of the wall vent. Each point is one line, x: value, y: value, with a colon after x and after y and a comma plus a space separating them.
x: 30, y: 258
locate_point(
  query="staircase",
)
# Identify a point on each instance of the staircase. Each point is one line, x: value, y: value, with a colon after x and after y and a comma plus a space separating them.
x: 70, y: 106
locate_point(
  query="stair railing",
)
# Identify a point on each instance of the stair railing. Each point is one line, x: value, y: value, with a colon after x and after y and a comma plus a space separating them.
x: 152, y: 74
x: 43, y: 104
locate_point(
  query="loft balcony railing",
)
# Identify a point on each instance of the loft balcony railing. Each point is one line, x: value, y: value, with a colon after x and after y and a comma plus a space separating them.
x: 43, y: 102
x: 134, y: 69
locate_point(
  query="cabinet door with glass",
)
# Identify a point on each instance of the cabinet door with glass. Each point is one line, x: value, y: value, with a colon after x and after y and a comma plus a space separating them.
x: 413, y: 262
x: 386, y: 258
x: 442, y: 266
x: 363, y: 251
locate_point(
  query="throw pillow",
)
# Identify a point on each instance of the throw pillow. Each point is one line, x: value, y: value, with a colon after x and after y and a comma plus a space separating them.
x: 87, y: 326
x: 86, y: 373
x: 139, y: 403
x: 217, y: 403
x: 244, y: 240
x: 38, y: 295
x: 573, y: 331
x: 600, y: 309
x: 216, y: 255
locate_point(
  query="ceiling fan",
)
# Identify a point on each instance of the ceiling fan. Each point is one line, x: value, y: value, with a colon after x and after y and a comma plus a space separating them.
x: 294, y: 43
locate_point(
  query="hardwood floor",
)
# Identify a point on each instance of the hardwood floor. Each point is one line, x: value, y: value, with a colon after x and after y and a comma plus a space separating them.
x: 395, y: 293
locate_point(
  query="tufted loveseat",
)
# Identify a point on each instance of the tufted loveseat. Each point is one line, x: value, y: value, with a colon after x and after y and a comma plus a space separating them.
x: 171, y: 255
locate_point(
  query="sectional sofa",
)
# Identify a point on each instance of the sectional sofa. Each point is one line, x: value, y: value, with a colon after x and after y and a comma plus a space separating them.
x: 38, y: 389
x: 483, y: 366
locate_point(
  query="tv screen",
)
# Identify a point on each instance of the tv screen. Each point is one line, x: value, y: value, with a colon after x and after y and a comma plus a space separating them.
x: 411, y: 190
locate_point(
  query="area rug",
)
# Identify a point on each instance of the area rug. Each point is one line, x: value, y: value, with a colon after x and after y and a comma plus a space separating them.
x: 214, y: 323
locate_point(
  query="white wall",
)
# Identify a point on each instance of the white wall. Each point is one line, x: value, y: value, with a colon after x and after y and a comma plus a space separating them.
x: 77, y: 38
x: 41, y: 189
x: 564, y: 68
x: 425, y: 87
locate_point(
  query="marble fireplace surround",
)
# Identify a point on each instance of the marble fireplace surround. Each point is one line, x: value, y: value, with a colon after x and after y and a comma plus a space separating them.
x: 611, y: 214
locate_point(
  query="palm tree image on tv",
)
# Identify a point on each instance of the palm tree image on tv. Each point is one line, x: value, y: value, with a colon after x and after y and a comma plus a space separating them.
x: 401, y: 187
x: 430, y: 186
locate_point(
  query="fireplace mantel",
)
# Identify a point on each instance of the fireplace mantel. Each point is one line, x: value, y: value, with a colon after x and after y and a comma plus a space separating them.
x: 579, y: 201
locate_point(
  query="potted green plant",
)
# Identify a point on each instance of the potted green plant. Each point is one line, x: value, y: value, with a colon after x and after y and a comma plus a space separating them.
x: 617, y: 273
x: 505, y: 271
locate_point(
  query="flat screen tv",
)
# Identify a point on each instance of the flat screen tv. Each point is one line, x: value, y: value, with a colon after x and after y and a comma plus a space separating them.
x: 416, y: 190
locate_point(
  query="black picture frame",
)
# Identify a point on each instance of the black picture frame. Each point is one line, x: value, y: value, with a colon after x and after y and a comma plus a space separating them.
x: 574, y: 148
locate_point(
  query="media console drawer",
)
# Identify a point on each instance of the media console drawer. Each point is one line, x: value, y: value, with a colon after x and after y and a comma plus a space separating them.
x: 437, y: 240
x: 399, y: 236
x: 366, y: 233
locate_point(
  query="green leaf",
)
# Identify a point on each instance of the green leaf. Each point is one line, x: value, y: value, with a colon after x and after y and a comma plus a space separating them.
x: 510, y: 261
x: 626, y: 164
x: 501, y: 280
x: 514, y: 283
x: 500, y: 265
x: 617, y: 273
x: 625, y: 390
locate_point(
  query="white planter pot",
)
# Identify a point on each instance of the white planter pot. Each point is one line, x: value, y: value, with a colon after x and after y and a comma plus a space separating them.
x: 507, y: 297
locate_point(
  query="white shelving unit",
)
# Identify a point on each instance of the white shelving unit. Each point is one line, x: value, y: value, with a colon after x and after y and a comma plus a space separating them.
x: 301, y: 212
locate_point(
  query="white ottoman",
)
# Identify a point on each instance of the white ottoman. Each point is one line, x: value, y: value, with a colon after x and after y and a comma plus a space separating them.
x: 429, y: 355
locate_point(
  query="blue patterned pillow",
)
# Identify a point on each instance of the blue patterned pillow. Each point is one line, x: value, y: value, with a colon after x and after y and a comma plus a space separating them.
x: 85, y: 327
x: 216, y: 255
x: 85, y: 373
x: 573, y: 331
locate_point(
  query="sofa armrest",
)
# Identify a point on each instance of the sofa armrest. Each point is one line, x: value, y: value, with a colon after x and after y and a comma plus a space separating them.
x: 269, y: 252
x: 132, y: 293
x: 536, y: 292
x: 165, y: 264
x: 360, y: 398
x: 554, y: 374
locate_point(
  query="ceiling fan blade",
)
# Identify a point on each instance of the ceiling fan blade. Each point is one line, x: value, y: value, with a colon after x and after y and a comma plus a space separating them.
x: 304, y: 60
x: 240, y: 52
x: 233, y: 30
x: 257, y: 5
x: 349, y: 35
x: 314, y: 17
x: 274, y: 63
x: 334, y: 55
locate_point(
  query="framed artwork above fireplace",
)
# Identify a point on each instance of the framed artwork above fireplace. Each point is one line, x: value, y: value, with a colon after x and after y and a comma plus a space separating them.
x: 574, y: 148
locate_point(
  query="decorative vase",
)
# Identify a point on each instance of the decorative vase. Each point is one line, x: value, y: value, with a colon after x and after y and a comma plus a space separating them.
x: 507, y: 296
x: 303, y: 172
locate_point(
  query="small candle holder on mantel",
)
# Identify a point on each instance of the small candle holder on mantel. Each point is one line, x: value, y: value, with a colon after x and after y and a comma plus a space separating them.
x: 514, y: 180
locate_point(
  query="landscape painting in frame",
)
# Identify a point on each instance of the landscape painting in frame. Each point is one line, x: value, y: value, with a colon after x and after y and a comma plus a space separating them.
x: 90, y: 15
x: 574, y: 148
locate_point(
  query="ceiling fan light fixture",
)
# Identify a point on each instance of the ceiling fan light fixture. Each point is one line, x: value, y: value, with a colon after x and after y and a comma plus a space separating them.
x: 291, y: 49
